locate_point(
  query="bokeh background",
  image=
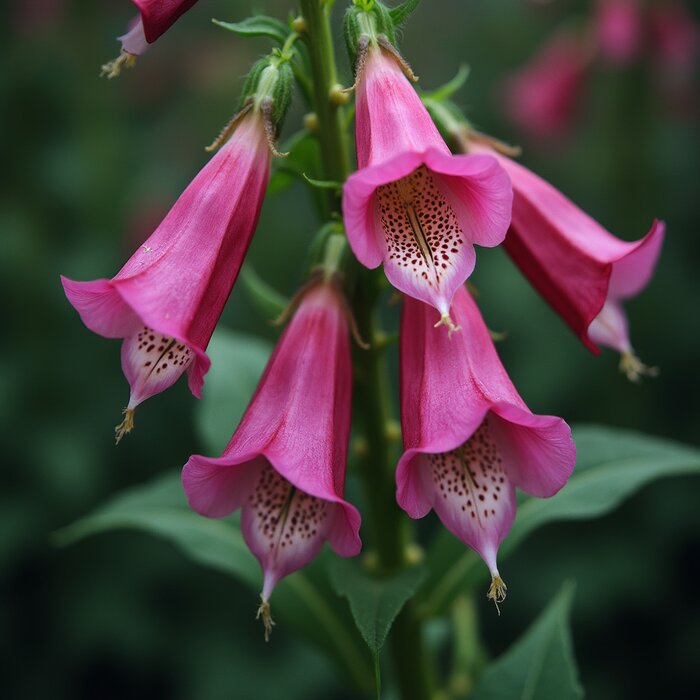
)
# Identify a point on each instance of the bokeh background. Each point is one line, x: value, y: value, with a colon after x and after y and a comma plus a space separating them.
x: 90, y: 166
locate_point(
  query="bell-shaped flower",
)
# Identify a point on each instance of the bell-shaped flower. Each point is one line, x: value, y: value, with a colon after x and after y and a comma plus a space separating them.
x: 285, y: 464
x: 469, y: 439
x: 542, y: 97
x: 582, y: 270
x: 619, y: 30
x: 169, y: 295
x: 412, y: 204
x: 154, y: 19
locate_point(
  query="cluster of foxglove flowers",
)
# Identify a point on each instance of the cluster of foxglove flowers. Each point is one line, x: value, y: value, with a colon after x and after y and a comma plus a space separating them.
x: 419, y: 209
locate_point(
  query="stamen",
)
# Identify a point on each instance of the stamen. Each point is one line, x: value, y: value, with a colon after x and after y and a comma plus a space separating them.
x: 497, y: 591
x: 445, y: 320
x: 113, y: 68
x: 265, y: 614
x: 126, y: 426
x: 634, y: 368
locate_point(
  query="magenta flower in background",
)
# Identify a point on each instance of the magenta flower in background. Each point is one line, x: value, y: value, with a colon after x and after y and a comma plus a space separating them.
x: 469, y: 439
x: 412, y: 204
x: 155, y: 18
x: 619, y: 26
x: 542, y: 97
x: 285, y: 464
x: 168, y: 297
x: 582, y: 270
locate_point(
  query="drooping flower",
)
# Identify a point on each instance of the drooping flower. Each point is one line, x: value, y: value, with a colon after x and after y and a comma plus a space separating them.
x: 169, y: 295
x: 285, y: 464
x: 619, y: 30
x: 542, y: 97
x: 412, y: 204
x: 469, y: 439
x: 582, y: 270
x: 154, y: 19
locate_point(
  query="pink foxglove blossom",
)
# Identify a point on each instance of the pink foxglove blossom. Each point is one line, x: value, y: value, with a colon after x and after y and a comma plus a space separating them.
x: 285, y: 464
x: 155, y: 18
x: 619, y: 30
x: 581, y: 269
x: 413, y: 205
x: 542, y: 97
x: 469, y: 438
x: 168, y: 297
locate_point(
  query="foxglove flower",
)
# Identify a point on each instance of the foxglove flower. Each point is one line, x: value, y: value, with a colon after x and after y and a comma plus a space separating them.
x: 413, y: 205
x: 168, y: 297
x: 582, y: 270
x: 285, y: 464
x: 619, y: 30
x: 155, y: 18
x: 469, y: 439
x: 542, y: 97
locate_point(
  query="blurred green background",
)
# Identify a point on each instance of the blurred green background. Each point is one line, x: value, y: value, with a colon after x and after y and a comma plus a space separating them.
x: 89, y: 167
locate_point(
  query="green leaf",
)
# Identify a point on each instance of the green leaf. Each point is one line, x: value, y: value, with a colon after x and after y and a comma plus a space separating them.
x: 260, y: 25
x: 374, y: 602
x: 611, y: 466
x: 237, y: 362
x: 303, y: 157
x: 323, y: 184
x: 540, y: 665
x: 402, y: 12
x: 446, y: 91
x: 303, y: 601
x: 268, y: 300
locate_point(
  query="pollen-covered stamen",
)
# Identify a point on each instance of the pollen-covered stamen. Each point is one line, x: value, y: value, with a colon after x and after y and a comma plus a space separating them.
x: 283, y: 526
x: 422, y: 232
x: 474, y: 497
x: 152, y: 363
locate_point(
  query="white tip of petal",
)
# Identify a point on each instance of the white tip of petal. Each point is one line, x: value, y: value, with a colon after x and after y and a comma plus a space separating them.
x: 497, y: 591
x: 634, y: 368
x: 265, y: 614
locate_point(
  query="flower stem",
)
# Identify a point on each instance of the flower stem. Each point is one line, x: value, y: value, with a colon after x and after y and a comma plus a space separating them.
x: 331, y: 134
x: 385, y: 522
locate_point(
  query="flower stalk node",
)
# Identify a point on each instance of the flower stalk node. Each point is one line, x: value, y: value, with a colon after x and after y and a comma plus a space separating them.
x: 113, y: 68
x: 126, y: 426
x: 497, y: 591
x: 265, y: 614
x: 634, y: 369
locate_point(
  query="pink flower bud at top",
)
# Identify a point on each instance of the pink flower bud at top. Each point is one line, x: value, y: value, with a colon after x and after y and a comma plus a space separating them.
x: 469, y: 439
x: 285, y: 464
x: 169, y: 295
x: 412, y: 205
x: 581, y: 269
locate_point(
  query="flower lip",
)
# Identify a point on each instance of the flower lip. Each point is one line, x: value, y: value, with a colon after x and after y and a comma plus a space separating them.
x: 346, y: 543
x: 91, y: 299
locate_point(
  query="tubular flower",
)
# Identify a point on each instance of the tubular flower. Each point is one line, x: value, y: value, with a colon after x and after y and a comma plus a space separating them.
x: 469, y: 439
x: 285, y: 464
x: 542, y: 97
x: 581, y: 269
x: 413, y: 205
x: 155, y: 18
x: 168, y: 297
x: 619, y: 30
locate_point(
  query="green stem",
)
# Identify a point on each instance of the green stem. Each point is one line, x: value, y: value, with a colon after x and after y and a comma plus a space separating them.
x: 385, y: 522
x: 331, y: 133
